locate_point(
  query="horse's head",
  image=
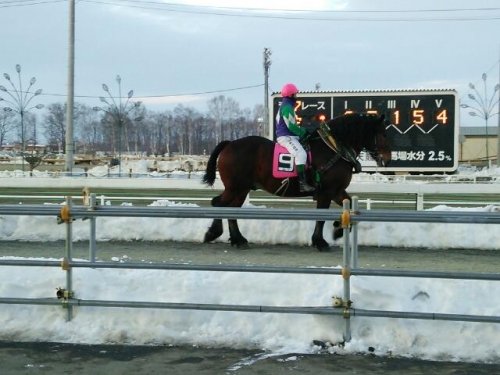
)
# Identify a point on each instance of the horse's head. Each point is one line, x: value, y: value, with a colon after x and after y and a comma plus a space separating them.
x: 380, y: 149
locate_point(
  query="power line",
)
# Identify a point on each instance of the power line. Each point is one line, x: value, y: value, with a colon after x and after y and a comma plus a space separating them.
x: 245, y: 12
x: 255, y: 9
x: 311, y: 10
x: 15, y: 1
x: 253, y: 13
x: 25, y: 3
x: 198, y: 93
x: 203, y: 92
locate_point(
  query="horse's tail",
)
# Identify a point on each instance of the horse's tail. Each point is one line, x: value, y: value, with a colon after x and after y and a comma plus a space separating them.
x: 209, y: 177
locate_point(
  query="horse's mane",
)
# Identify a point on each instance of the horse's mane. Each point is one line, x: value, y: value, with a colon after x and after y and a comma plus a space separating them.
x: 355, y: 129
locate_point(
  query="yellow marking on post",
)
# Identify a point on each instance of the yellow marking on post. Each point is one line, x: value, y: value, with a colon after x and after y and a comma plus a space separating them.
x: 345, y: 219
x: 65, y: 264
x: 346, y: 273
x: 65, y: 214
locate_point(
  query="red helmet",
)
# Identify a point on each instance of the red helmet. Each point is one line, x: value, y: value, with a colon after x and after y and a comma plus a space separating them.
x: 289, y: 89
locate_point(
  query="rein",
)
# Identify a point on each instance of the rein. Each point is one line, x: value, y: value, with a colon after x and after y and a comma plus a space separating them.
x: 346, y: 153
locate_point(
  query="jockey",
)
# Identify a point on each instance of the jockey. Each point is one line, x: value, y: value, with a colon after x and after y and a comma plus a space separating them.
x: 288, y: 133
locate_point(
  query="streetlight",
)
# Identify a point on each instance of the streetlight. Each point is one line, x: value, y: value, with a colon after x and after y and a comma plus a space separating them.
x: 119, y: 111
x: 19, y: 101
x: 483, y: 107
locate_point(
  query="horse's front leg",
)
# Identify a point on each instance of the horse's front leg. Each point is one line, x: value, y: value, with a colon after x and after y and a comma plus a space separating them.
x: 323, y: 201
x: 338, y: 231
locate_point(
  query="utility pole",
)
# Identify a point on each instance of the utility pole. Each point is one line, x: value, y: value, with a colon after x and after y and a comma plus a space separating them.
x: 70, y: 144
x: 267, y: 65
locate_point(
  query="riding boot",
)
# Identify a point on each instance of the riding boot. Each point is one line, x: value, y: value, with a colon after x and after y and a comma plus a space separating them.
x: 304, y: 187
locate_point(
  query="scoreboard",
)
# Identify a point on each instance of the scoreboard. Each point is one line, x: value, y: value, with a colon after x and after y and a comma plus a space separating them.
x: 422, y: 125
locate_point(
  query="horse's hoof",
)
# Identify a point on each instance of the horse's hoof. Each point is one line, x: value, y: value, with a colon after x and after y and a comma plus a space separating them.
x: 324, y: 249
x: 241, y: 243
x: 338, y: 233
x: 209, y: 237
x: 321, y: 244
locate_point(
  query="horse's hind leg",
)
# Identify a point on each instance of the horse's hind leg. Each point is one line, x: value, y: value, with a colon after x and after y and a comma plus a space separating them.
x: 215, y: 230
x: 235, y: 235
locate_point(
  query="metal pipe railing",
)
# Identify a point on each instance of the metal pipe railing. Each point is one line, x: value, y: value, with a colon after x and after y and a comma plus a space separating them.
x: 80, y: 212
x: 316, y: 310
x: 368, y: 202
x: 253, y: 269
x: 347, y: 217
x: 172, y: 266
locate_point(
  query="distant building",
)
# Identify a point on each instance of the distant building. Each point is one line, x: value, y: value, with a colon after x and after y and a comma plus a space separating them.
x: 29, y: 147
x: 472, y: 144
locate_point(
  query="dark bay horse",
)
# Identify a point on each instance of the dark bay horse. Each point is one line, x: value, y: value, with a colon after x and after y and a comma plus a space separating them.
x: 246, y: 164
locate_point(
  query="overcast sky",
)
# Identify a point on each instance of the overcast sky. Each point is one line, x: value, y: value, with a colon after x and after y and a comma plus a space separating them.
x: 164, y: 49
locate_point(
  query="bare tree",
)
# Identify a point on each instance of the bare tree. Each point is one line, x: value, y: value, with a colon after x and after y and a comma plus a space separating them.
x: 218, y: 111
x: 185, y: 119
x: 88, y: 129
x: 7, y: 125
x: 225, y: 112
x: 133, y: 122
x: 184, y: 130
x: 258, y: 117
x: 108, y: 129
x: 30, y: 122
x: 158, y: 128
x: 54, y: 124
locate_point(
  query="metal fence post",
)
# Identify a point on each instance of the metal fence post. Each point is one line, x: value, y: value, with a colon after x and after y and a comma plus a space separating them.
x: 368, y: 203
x: 69, y: 251
x: 92, y: 240
x: 354, y: 237
x: 346, y: 269
x: 420, y: 201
